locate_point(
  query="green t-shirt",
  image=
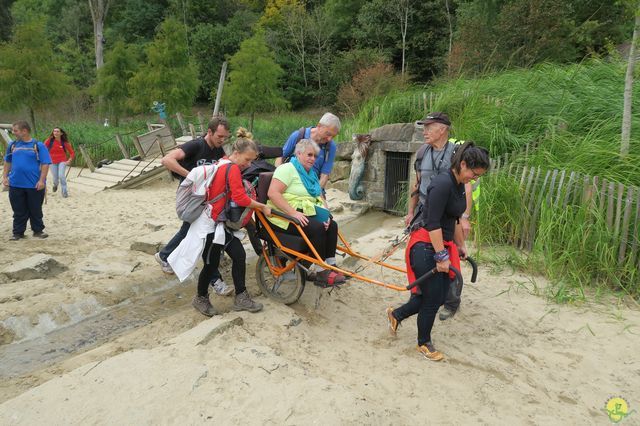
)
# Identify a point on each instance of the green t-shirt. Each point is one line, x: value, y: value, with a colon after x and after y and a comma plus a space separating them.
x: 295, y: 194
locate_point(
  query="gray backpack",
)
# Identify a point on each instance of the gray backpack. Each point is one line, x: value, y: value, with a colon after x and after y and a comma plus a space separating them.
x: 191, y: 196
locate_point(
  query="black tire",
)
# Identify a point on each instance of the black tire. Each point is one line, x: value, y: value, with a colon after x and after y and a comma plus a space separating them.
x: 284, y: 290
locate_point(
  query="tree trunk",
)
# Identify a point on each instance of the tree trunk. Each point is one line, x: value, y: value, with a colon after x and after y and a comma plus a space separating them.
x: 99, y: 10
x: 253, y: 115
x: 446, y: 3
x: 32, y: 115
x: 628, y: 90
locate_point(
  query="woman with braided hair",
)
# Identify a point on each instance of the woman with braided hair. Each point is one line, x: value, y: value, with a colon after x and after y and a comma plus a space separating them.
x: 438, y: 243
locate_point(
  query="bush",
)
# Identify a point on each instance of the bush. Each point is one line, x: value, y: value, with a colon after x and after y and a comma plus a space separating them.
x: 377, y: 80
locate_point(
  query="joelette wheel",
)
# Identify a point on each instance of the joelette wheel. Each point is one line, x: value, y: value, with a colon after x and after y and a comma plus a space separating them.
x: 286, y: 288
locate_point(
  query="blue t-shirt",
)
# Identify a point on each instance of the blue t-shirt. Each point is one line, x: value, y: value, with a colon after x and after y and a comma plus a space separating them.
x: 320, y: 166
x: 25, y: 165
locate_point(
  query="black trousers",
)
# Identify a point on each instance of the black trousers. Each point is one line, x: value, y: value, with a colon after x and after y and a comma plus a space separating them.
x: 324, y: 241
x: 27, y: 206
x: 211, y: 258
x: 434, y: 292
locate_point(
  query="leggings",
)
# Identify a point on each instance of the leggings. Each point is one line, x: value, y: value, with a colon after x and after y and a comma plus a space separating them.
x: 324, y: 241
x: 434, y: 292
x: 211, y: 258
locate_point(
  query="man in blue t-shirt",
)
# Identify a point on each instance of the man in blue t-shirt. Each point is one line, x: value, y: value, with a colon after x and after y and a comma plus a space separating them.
x: 25, y: 170
x: 322, y: 134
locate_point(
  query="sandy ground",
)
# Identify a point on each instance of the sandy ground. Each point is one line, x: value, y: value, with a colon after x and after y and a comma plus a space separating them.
x: 511, y: 356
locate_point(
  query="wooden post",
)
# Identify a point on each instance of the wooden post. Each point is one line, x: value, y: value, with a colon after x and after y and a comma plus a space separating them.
x: 181, y: 123
x: 223, y: 72
x: 150, y: 127
x: 192, y: 130
x: 618, y: 210
x: 636, y: 229
x: 610, y: 201
x: 532, y: 227
x: 556, y: 202
x: 424, y: 101
x: 553, y: 183
x: 625, y: 227
x: 160, y: 146
x: 123, y: 148
x: 200, y: 123
x: 86, y: 157
x: 572, y: 179
x: 136, y: 143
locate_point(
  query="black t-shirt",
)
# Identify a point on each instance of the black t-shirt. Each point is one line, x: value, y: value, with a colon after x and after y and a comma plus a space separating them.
x: 198, y: 153
x: 446, y: 202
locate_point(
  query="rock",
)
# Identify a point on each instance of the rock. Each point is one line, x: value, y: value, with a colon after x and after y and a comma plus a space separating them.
x: 393, y: 132
x: 357, y: 207
x: 111, y: 262
x: 154, y: 226
x: 151, y: 243
x: 340, y: 171
x: 344, y: 150
x: 341, y: 185
x: 37, y: 266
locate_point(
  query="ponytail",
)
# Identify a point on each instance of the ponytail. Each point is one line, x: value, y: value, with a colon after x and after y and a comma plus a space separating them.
x: 475, y: 157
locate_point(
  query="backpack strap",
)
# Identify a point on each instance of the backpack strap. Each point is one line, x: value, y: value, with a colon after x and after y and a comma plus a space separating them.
x: 12, y: 149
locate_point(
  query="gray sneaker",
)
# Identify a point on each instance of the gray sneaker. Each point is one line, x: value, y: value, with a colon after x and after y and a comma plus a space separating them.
x: 202, y: 305
x: 221, y: 288
x: 446, y: 313
x: 166, y: 268
x: 243, y: 302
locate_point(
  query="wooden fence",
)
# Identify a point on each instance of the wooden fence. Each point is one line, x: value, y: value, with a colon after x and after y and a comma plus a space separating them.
x: 614, y: 203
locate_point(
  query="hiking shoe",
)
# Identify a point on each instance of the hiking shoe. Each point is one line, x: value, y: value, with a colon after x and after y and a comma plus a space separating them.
x: 430, y: 352
x: 55, y: 188
x: 202, y: 305
x: 393, y: 322
x: 65, y: 194
x: 243, y: 302
x: 16, y: 237
x: 166, y: 268
x: 446, y: 313
x: 327, y: 278
x: 221, y: 288
x: 40, y: 234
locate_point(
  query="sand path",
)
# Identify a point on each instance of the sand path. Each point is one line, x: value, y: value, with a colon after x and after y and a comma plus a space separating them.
x: 512, y: 357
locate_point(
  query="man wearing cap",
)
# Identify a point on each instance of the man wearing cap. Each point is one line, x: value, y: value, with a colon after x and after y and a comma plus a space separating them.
x: 322, y: 134
x: 433, y: 158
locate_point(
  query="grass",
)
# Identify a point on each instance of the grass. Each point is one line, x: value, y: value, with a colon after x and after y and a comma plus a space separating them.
x: 573, y: 112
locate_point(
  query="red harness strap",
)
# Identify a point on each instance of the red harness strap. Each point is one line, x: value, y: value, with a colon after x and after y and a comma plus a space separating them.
x: 422, y: 235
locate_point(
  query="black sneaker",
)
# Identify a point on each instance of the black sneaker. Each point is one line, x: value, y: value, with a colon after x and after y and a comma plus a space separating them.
x: 55, y: 188
x: 40, y: 234
x: 16, y: 237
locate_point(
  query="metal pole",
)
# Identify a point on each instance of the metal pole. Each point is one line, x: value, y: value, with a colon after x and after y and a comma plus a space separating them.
x: 223, y: 72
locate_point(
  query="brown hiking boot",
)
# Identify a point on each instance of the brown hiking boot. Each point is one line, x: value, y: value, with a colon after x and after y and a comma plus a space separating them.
x: 202, y: 305
x: 243, y: 302
x: 429, y: 352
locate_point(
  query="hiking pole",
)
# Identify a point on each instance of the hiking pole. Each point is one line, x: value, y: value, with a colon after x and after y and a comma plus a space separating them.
x: 432, y: 272
x: 474, y: 268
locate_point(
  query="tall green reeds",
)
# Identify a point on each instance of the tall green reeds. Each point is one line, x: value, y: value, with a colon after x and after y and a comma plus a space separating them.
x: 573, y: 113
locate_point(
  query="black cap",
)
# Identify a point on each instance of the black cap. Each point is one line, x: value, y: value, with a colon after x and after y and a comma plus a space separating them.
x: 435, y: 117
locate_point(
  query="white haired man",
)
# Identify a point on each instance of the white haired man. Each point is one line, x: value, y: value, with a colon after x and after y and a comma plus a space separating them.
x: 322, y: 134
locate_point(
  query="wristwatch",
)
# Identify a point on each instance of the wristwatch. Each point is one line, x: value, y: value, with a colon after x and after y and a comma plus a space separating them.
x: 465, y: 216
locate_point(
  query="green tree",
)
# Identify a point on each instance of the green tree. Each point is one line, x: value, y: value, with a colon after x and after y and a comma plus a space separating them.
x: 6, y: 19
x: 254, y: 79
x: 211, y: 44
x: 28, y: 71
x: 168, y: 75
x: 120, y: 66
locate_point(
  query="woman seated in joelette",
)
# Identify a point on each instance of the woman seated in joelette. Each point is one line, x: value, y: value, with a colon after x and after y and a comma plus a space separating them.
x: 295, y: 190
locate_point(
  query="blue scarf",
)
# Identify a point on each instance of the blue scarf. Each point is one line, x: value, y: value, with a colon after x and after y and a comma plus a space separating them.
x: 309, y: 178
